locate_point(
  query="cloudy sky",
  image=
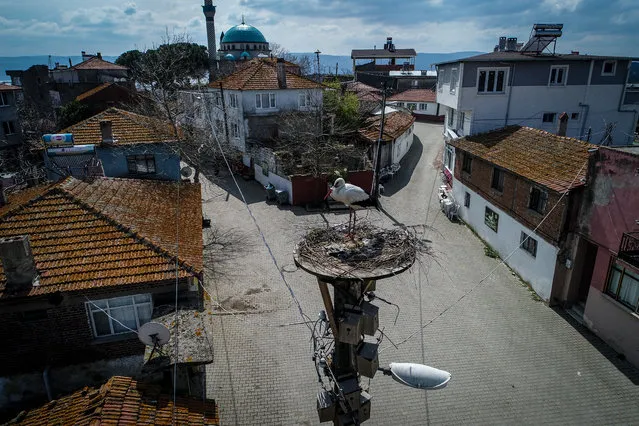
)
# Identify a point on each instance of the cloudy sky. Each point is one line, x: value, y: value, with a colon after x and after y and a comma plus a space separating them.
x: 65, y: 27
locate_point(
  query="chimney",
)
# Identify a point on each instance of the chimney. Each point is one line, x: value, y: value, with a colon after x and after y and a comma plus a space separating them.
x: 281, y: 73
x: 106, y: 128
x: 83, y: 54
x: 502, y: 44
x: 99, y: 55
x: 17, y: 261
x: 563, y: 124
x: 70, y: 63
x: 511, y: 44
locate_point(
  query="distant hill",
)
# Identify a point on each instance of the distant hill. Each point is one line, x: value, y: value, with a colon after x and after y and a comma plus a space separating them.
x: 24, y: 62
x: 345, y: 63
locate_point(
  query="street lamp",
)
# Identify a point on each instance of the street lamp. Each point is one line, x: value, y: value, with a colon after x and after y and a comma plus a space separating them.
x: 317, y: 53
x: 417, y: 376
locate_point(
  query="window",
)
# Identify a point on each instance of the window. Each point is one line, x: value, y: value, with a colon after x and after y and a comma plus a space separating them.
x: 451, y: 118
x: 305, y: 99
x: 4, y: 99
x: 117, y: 315
x: 529, y: 244
x: 466, y: 199
x: 265, y: 100
x: 449, y: 154
x: 233, y: 100
x: 609, y: 68
x: 549, y: 117
x: 538, y: 200
x: 411, y: 106
x: 467, y: 163
x: 8, y: 127
x: 218, y: 99
x: 558, y: 75
x: 141, y: 164
x: 491, y: 80
x: 623, y: 286
x: 574, y: 116
x: 491, y: 219
x: 235, y: 130
x: 453, y: 81
x: 414, y: 83
x: 498, y: 179
x: 460, y: 122
x: 423, y: 106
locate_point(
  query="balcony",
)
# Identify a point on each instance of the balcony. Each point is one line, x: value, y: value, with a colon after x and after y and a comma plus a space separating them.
x: 629, y: 248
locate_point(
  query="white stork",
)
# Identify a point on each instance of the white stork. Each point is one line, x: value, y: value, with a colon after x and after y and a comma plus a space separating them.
x: 350, y: 195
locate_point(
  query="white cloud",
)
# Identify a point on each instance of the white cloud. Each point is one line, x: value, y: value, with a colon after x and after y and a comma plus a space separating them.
x: 562, y: 5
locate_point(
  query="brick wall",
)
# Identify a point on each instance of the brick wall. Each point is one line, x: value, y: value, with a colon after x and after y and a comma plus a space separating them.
x: 63, y: 334
x: 515, y: 197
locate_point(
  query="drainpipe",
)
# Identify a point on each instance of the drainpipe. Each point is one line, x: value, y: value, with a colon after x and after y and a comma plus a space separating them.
x: 586, y: 110
x: 510, y: 92
x: 623, y: 93
x: 45, y: 379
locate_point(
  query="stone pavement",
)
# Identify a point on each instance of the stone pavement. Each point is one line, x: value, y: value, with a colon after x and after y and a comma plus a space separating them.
x: 513, y: 360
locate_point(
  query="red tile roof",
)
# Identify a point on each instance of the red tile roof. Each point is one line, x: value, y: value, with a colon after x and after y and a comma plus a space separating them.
x: 128, y: 128
x: 8, y: 87
x: 544, y: 158
x: 262, y: 75
x: 121, y: 401
x: 109, y: 232
x: 364, y: 92
x: 395, y: 124
x: 96, y: 63
x: 415, y: 95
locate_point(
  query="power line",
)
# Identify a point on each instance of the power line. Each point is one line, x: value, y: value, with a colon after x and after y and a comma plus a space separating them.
x: 108, y: 315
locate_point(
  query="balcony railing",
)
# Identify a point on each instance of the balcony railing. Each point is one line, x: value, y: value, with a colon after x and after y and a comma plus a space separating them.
x: 629, y: 248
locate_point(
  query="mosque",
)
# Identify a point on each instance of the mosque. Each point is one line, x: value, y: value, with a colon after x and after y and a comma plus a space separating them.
x: 241, y: 42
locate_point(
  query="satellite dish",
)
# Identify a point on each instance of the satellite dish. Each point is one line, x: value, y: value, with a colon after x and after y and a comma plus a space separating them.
x: 419, y: 376
x: 186, y: 172
x: 153, y: 333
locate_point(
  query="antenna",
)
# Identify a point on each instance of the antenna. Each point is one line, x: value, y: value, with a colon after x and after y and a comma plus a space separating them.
x: 153, y: 334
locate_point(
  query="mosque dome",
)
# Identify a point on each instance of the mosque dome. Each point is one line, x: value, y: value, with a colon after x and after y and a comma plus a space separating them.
x: 245, y: 55
x: 229, y: 57
x: 243, y: 33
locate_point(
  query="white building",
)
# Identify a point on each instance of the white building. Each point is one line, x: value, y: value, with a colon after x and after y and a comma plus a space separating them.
x: 397, y: 138
x: 519, y: 188
x: 515, y: 87
x: 421, y: 102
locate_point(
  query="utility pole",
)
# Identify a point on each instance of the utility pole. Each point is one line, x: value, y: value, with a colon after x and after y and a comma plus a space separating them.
x: 317, y: 53
x: 336, y: 64
x: 375, y: 191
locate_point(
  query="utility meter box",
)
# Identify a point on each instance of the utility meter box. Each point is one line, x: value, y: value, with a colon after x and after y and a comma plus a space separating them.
x: 352, y: 391
x: 367, y: 360
x: 364, y: 406
x: 350, y: 328
x: 326, y: 406
x: 370, y: 318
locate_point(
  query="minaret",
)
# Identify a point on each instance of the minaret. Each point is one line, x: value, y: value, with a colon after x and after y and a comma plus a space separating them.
x: 209, y: 13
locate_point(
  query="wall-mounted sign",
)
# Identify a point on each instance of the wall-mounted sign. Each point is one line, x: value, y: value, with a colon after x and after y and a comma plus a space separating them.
x: 58, y: 139
x: 71, y: 150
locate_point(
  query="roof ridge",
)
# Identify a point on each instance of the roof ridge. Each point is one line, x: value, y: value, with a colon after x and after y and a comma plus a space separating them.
x: 122, y: 227
x: 11, y: 211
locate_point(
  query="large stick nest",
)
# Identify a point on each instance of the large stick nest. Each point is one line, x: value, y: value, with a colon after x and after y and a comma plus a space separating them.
x: 368, y: 252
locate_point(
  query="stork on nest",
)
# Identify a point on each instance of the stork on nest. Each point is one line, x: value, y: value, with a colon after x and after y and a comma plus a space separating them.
x: 354, y: 197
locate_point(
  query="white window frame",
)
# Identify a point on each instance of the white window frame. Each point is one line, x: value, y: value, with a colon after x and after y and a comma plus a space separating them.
x: 4, y: 99
x: 233, y: 100
x: 412, y: 106
x: 449, y: 157
x: 608, y: 74
x: 270, y: 101
x: 557, y: 68
x: 454, y: 76
x: 92, y: 309
x: 423, y: 106
x: 460, y: 121
x: 235, y: 130
x: 304, y: 100
x: 217, y: 99
x: 451, y: 118
x: 497, y: 70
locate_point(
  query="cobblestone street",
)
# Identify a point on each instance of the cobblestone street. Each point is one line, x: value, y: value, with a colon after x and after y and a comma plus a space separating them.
x: 513, y: 359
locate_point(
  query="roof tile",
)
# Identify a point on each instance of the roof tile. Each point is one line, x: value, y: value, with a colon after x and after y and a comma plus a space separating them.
x: 395, y: 124
x: 262, y: 75
x: 415, y: 95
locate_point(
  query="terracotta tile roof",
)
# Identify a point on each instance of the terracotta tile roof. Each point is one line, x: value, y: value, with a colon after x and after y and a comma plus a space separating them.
x: 128, y: 128
x: 8, y: 87
x: 364, y: 92
x: 121, y: 401
x: 545, y: 158
x: 93, y: 91
x: 395, y: 124
x: 96, y: 63
x: 262, y: 75
x: 105, y: 233
x: 415, y: 95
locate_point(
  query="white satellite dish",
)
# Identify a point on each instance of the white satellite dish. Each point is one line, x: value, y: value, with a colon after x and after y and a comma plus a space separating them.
x: 186, y: 172
x: 153, y: 334
x: 418, y: 375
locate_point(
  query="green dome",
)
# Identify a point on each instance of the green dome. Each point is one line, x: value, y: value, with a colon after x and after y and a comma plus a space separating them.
x: 245, y: 55
x: 229, y: 57
x: 243, y: 33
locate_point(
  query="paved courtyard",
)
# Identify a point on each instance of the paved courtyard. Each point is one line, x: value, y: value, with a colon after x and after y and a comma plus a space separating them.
x: 513, y: 359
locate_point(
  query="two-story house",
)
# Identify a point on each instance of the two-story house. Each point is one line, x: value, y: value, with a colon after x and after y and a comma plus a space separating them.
x: 533, y: 88
x: 245, y: 105
x: 519, y: 188
x: 114, y: 143
x: 10, y: 130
